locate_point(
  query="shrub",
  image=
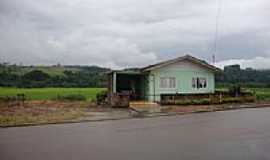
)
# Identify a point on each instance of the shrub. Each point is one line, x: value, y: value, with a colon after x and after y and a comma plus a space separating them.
x: 231, y: 100
x: 193, y: 102
x: 101, y: 97
x: 235, y: 90
x: 263, y: 97
x: 202, y: 101
x: 183, y: 102
x: 71, y: 97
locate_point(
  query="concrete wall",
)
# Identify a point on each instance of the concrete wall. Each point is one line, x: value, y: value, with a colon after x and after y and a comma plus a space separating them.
x: 183, y: 72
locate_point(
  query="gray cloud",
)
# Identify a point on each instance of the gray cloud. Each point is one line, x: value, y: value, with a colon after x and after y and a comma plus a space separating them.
x: 127, y: 33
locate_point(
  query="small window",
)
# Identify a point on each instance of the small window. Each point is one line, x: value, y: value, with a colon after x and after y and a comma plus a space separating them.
x: 199, y: 82
x: 202, y: 82
x: 167, y: 82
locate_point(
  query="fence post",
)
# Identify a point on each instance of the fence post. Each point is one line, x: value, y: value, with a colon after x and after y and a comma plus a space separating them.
x: 220, y: 98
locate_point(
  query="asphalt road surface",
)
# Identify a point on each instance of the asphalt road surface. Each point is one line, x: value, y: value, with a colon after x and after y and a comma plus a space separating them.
x: 238, y: 134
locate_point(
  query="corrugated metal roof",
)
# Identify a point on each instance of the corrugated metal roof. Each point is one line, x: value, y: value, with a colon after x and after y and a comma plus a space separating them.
x: 168, y: 62
x: 175, y: 60
x: 125, y: 72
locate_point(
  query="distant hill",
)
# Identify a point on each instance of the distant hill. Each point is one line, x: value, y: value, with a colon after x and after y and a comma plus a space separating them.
x: 51, y: 70
x: 56, y: 76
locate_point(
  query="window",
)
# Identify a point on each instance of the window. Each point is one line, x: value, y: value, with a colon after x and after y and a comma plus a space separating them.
x: 199, y: 82
x: 202, y: 82
x: 194, y: 82
x: 167, y: 82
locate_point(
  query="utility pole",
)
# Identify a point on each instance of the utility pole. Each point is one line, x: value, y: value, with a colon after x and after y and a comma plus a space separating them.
x: 214, y: 59
x: 219, y: 7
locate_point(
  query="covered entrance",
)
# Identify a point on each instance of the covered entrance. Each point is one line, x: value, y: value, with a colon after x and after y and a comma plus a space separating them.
x: 126, y: 86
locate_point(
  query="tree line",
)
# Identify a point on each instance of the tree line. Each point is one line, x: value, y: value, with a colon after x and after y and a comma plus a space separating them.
x: 248, y: 77
x: 93, y: 76
x: 81, y: 77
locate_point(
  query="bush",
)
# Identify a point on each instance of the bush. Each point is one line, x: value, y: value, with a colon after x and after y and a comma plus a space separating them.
x: 235, y: 90
x: 231, y: 100
x: 193, y: 102
x: 71, y: 97
x: 263, y: 97
x: 202, y: 101
x: 101, y: 97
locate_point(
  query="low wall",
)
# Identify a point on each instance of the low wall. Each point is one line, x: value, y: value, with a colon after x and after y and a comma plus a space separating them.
x: 216, y: 98
x: 119, y: 100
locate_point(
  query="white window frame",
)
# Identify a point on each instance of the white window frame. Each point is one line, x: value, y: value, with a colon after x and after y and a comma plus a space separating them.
x: 167, y: 82
x: 201, y: 81
x: 196, y: 82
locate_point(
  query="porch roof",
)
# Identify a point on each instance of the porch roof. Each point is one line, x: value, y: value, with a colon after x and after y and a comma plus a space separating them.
x: 128, y: 72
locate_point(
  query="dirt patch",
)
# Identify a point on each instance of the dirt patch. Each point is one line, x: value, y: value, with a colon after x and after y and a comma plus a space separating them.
x: 36, y: 112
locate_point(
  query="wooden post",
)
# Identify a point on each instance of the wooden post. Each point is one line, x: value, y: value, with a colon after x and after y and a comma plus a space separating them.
x: 114, y: 82
x: 220, y: 97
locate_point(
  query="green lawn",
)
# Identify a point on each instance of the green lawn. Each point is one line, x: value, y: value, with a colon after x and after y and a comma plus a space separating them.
x: 50, y: 93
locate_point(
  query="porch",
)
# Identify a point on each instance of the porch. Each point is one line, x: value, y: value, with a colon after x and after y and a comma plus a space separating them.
x: 125, y: 87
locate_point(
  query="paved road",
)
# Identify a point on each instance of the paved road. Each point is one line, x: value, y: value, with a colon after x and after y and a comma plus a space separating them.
x: 239, y: 134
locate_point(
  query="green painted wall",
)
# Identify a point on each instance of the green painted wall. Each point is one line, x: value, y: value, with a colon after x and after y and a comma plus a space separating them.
x: 183, y: 72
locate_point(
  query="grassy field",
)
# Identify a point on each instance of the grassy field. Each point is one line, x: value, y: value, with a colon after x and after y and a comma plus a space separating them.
x: 261, y: 93
x: 50, y: 93
x: 89, y: 93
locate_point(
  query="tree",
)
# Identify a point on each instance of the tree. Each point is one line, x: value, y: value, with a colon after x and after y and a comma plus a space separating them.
x: 36, y: 75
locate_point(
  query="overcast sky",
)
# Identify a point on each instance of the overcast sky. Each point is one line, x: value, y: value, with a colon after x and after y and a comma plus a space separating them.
x: 129, y: 33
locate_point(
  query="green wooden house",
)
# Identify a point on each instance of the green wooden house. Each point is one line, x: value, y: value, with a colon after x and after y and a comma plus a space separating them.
x: 182, y: 75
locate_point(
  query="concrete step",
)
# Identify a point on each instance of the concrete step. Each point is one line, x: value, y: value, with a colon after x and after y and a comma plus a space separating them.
x: 144, y: 106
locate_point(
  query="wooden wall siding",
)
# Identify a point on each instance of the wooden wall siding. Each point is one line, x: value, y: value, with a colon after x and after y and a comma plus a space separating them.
x: 183, y: 72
